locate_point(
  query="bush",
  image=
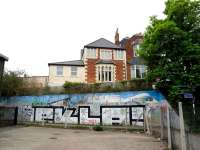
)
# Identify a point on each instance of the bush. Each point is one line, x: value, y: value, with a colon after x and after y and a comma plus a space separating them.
x: 139, y: 84
x: 97, y: 128
x: 74, y: 87
x: 12, y: 84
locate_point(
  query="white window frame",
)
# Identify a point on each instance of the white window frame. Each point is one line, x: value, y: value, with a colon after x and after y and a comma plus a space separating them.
x: 92, y: 53
x: 74, y: 72
x: 105, y: 54
x: 135, y: 48
x: 138, y: 75
x: 105, y: 73
x: 119, y: 54
x: 59, y: 70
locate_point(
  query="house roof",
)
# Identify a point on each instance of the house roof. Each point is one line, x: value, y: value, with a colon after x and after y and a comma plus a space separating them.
x: 3, y: 57
x: 103, y: 43
x: 69, y: 63
x: 123, y: 41
x: 137, y: 61
x: 105, y: 62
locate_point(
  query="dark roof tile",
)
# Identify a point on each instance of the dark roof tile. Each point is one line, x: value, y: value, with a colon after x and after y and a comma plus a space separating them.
x: 103, y: 43
x: 69, y: 63
x: 3, y: 57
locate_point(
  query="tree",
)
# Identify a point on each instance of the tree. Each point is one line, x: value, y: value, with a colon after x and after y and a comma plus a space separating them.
x: 171, y: 46
x: 12, y: 84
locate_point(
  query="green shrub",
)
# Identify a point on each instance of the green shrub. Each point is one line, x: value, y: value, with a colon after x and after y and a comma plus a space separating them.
x: 97, y: 128
x: 74, y: 87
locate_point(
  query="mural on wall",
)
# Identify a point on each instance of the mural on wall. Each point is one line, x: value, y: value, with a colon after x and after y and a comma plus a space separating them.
x: 92, y: 108
x: 132, y: 97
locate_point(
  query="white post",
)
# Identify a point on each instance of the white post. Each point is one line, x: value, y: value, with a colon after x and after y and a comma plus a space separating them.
x: 147, y: 122
x: 169, y: 129
x: 161, y: 125
x: 182, y: 127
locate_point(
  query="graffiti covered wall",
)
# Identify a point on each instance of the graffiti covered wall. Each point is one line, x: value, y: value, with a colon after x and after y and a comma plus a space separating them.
x: 109, y: 115
x: 94, y: 108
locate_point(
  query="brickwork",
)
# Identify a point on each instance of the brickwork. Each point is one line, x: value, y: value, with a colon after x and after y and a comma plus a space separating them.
x: 120, y: 70
x: 128, y: 71
x: 135, y: 39
x: 90, y: 69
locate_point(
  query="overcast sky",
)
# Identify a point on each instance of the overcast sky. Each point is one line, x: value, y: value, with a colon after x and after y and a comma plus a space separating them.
x: 36, y: 32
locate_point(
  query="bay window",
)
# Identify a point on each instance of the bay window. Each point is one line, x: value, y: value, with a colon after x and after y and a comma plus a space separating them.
x: 105, y: 73
x: 138, y: 71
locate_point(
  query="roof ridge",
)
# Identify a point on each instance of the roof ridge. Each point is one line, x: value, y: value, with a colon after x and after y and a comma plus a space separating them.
x: 109, y: 41
x: 93, y: 42
x: 68, y: 61
x: 103, y: 43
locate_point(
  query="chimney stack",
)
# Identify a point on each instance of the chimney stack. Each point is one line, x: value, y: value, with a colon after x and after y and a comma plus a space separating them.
x: 117, y: 37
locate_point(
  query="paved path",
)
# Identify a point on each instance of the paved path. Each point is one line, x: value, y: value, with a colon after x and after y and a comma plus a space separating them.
x: 38, y: 138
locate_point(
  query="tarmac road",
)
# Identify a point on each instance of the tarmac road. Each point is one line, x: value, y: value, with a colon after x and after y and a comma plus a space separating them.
x: 41, y: 138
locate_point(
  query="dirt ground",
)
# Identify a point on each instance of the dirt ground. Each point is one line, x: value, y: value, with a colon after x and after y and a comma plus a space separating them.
x: 39, y: 138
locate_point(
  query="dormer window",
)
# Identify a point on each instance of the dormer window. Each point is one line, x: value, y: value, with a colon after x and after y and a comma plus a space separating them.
x: 105, y: 54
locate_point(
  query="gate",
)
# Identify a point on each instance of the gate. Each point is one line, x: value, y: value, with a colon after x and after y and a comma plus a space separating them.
x: 8, y: 115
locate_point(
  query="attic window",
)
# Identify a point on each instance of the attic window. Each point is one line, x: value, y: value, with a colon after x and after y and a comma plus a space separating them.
x: 91, y: 53
x: 105, y: 54
x: 119, y: 54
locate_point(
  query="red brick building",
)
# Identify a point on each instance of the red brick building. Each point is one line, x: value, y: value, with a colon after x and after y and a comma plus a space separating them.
x: 135, y: 64
x: 101, y: 61
x: 104, y: 62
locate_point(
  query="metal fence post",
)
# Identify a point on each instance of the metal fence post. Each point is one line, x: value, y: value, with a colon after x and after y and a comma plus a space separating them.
x: 182, y: 127
x: 16, y: 115
x: 169, y: 129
